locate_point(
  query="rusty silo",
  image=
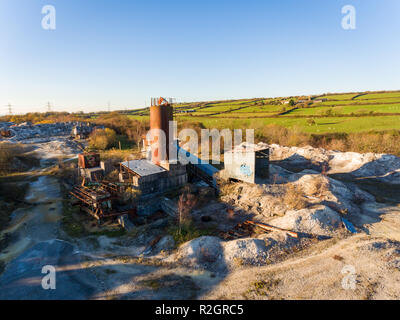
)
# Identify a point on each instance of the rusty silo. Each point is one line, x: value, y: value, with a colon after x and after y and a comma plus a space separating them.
x: 160, y: 115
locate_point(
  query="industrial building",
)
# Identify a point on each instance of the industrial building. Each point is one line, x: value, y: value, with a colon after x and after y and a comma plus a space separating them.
x: 158, y: 174
x: 248, y: 163
x: 151, y: 178
x: 90, y: 167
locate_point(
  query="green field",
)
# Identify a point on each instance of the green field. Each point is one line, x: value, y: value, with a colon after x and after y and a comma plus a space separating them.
x: 347, y: 110
x: 370, y: 96
x: 347, y: 113
x: 338, y: 96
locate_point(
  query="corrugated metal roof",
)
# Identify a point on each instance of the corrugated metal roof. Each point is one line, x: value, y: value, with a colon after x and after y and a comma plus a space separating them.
x: 143, y: 167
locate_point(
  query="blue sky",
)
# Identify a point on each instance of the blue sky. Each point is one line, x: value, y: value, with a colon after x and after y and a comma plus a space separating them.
x: 128, y: 51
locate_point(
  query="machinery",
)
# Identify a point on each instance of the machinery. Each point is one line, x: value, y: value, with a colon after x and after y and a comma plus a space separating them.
x: 161, y: 101
x: 98, y: 200
x: 5, y: 133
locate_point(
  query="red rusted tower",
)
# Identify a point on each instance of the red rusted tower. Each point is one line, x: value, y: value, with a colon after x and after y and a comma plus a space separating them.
x: 160, y: 114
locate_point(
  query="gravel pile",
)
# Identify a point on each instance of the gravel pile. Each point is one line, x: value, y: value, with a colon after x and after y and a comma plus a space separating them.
x: 27, y: 131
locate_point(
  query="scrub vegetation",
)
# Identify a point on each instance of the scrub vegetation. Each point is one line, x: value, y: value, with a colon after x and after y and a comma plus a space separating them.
x: 359, y: 121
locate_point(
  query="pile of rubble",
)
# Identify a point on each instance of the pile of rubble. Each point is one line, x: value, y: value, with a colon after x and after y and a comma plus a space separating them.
x: 220, y: 256
x: 27, y: 131
x: 322, y: 202
x: 305, y: 195
x: 383, y: 167
x: 304, y: 200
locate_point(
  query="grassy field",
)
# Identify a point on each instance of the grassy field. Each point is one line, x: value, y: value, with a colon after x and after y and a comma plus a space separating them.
x: 387, y: 95
x: 347, y: 110
x: 323, y: 125
x: 359, y: 122
x: 341, y: 113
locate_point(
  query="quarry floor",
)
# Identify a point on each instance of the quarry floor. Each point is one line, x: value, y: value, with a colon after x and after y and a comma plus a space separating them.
x: 361, y: 266
x: 325, y: 271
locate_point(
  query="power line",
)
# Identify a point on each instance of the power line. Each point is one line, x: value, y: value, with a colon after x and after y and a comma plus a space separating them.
x: 9, y: 106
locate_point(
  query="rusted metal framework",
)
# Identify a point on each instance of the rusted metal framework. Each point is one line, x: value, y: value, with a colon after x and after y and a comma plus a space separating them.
x: 98, y: 202
x: 249, y: 228
x: 5, y: 133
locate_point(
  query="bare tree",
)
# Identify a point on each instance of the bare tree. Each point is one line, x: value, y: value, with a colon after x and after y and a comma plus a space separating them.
x: 186, y: 203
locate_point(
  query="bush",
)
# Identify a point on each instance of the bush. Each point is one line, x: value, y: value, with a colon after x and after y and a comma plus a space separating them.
x: 311, y: 122
x: 186, y: 233
x: 124, y: 125
x: 294, y: 198
x: 13, y: 158
x: 7, y: 152
x: 103, y: 139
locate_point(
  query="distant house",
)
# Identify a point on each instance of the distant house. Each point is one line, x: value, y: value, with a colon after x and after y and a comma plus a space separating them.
x: 185, y: 111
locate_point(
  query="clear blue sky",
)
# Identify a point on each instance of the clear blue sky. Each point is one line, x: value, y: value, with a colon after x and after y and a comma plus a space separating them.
x: 128, y: 51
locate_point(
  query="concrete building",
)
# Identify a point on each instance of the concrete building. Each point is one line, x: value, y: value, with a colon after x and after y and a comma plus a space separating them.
x: 248, y: 163
x: 158, y: 174
x: 81, y: 130
x: 151, y: 178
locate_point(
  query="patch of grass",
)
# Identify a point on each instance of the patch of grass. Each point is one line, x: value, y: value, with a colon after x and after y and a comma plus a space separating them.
x: 12, y: 196
x: 188, y: 232
x: 238, y: 261
x: 153, y: 284
x: 69, y: 224
x: 184, y: 286
x: 13, y: 191
x: 261, y: 287
x: 126, y: 144
x: 110, y: 271
x: 4, y: 241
